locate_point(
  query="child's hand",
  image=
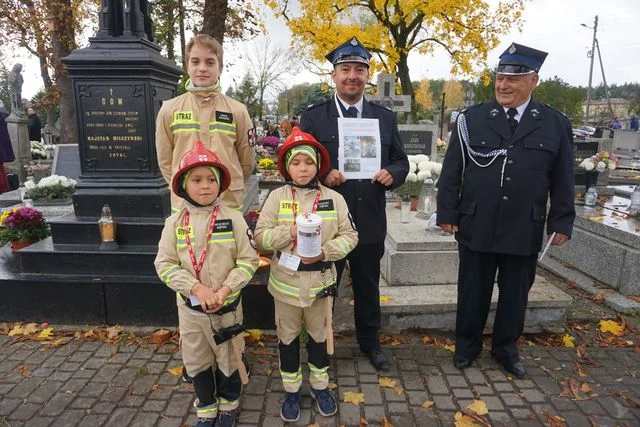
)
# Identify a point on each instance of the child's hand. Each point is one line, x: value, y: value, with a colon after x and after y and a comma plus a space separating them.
x: 306, y: 260
x: 207, y: 297
x: 293, y: 231
x: 222, y: 294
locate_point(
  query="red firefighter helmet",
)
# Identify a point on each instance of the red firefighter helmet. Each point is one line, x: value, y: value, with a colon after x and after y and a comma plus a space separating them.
x: 299, y: 137
x: 199, y: 155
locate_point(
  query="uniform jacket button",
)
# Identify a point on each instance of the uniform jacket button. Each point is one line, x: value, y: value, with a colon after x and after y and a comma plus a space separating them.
x: 505, y: 197
x: 510, y: 162
x: 508, y: 178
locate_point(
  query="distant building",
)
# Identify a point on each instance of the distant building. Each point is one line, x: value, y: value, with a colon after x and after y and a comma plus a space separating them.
x: 599, y: 110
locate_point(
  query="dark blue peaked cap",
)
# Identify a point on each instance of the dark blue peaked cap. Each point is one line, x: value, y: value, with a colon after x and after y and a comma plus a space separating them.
x: 519, y: 59
x: 350, y: 51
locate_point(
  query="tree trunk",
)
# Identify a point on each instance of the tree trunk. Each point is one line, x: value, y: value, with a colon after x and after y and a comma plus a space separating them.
x: 183, y: 41
x: 215, y: 16
x: 63, y: 42
x: 405, y: 82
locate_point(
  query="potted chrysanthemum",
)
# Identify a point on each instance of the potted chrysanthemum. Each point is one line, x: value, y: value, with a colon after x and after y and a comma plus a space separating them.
x: 420, y: 168
x: 22, y: 226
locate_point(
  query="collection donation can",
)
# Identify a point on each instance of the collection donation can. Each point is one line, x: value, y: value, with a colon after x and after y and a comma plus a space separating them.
x: 309, y: 239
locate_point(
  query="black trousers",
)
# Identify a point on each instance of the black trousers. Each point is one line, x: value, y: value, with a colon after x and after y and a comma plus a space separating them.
x: 364, y: 264
x: 476, y: 277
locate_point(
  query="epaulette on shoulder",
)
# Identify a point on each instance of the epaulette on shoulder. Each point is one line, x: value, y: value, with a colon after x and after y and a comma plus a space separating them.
x: 382, y: 106
x: 555, y: 109
x: 471, y: 107
x: 317, y: 104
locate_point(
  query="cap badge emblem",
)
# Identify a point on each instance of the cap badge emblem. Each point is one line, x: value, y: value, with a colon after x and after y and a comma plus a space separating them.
x: 512, y: 49
x: 354, y: 42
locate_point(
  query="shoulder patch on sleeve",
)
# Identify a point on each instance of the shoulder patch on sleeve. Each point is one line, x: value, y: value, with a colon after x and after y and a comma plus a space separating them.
x: 555, y: 109
x: 316, y: 104
x: 252, y: 239
x: 470, y: 107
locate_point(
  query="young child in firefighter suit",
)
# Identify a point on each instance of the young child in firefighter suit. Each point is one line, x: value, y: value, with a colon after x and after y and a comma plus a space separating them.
x: 206, y: 252
x: 299, y: 289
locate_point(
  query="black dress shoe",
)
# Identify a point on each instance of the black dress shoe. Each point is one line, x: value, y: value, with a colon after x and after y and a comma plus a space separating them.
x: 377, y: 359
x: 517, y: 369
x: 461, y: 362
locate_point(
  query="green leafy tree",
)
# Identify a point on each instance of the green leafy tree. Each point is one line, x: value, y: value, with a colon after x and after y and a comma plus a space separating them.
x: 246, y: 93
x: 483, y: 88
x: 561, y: 95
x: 295, y: 100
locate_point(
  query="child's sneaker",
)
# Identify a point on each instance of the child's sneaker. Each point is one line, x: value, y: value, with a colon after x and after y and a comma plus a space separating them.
x: 226, y: 418
x: 325, y: 402
x: 206, y: 422
x: 290, y: 410
x: 185, y: 377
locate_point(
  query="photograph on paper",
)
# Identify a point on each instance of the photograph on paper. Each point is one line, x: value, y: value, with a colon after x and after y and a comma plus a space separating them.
x: 359, y: 150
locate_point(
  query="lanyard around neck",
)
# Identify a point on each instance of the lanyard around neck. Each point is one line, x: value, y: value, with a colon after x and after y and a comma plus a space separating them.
x: 198, y: 264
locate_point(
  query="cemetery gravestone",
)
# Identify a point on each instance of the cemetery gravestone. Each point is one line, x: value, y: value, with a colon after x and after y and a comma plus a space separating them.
x: 66, y: 161
x: 417, y: 139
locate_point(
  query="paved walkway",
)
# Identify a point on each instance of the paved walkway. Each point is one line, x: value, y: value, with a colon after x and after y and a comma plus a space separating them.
x: 94, y: 383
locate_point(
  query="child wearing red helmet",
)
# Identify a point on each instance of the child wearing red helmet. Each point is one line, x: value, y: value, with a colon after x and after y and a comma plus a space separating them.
x: 206, y: 256
x: 302, y: 288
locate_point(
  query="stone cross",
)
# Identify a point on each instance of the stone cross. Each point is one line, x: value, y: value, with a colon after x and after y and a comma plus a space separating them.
x: 386, y: 95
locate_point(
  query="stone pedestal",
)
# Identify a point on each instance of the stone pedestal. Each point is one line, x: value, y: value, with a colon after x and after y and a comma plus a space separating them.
x: 419, y: 272
x: 19, y: 135
x: 414, y: 256
x: 605, y: 245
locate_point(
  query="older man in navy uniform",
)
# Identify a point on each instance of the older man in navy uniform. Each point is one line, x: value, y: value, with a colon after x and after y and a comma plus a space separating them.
x: 365, y: 197
x: 505, y: 160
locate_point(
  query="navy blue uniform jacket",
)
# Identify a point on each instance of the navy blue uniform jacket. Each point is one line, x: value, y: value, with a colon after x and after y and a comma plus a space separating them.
x: 366, y: 201
x: 539, y: 166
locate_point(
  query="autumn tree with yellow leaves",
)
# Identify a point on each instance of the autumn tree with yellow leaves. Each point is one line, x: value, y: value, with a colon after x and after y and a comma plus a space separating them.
x: 391, y: 29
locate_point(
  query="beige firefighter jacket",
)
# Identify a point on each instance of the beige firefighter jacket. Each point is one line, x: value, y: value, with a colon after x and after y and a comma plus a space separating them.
x: 338, y: 236
x: 231, y: 259
x: 224, y: 127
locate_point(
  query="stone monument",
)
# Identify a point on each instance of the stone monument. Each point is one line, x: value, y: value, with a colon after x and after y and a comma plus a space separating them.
x: 417, y: 139
x: 17, y: 125
x: 119, y: 82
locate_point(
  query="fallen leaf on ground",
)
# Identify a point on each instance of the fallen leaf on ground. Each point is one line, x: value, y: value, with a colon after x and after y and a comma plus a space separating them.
x: 451, y: 348
x: 578, y: 369
x: 30, y: 328
x: 612, y: 327
x: 24, y: 371
x: 426, y: 340
x: 479, y: 407
x: 16, y: 331
x: 427, y: 404
x: 177, y: 371
x: 253, y: 334
x: 399, y: 390
x: 385, y: 299
x: 386, y: 382
x: 364, y: 422
x: 554, y: 420
x: 45, y: 333
x: 586, y: 388
x: 598, y: 298
x: 461, y: 420
x: 386, y: 423
x: 568, y: 340
x: 632, y: 400
x: 160, y: 336
x: 353, y: 398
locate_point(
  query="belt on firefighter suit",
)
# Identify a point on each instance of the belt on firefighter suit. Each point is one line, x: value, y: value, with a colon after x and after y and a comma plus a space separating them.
x: 316, y: 266
x: 224, y: 310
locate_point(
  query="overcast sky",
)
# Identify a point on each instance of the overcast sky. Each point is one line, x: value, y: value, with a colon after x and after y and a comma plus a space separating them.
x: 549, y: 25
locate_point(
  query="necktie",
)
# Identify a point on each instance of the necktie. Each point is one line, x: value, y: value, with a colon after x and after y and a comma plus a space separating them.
x: 352, y: 112
x: 511, y: 118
